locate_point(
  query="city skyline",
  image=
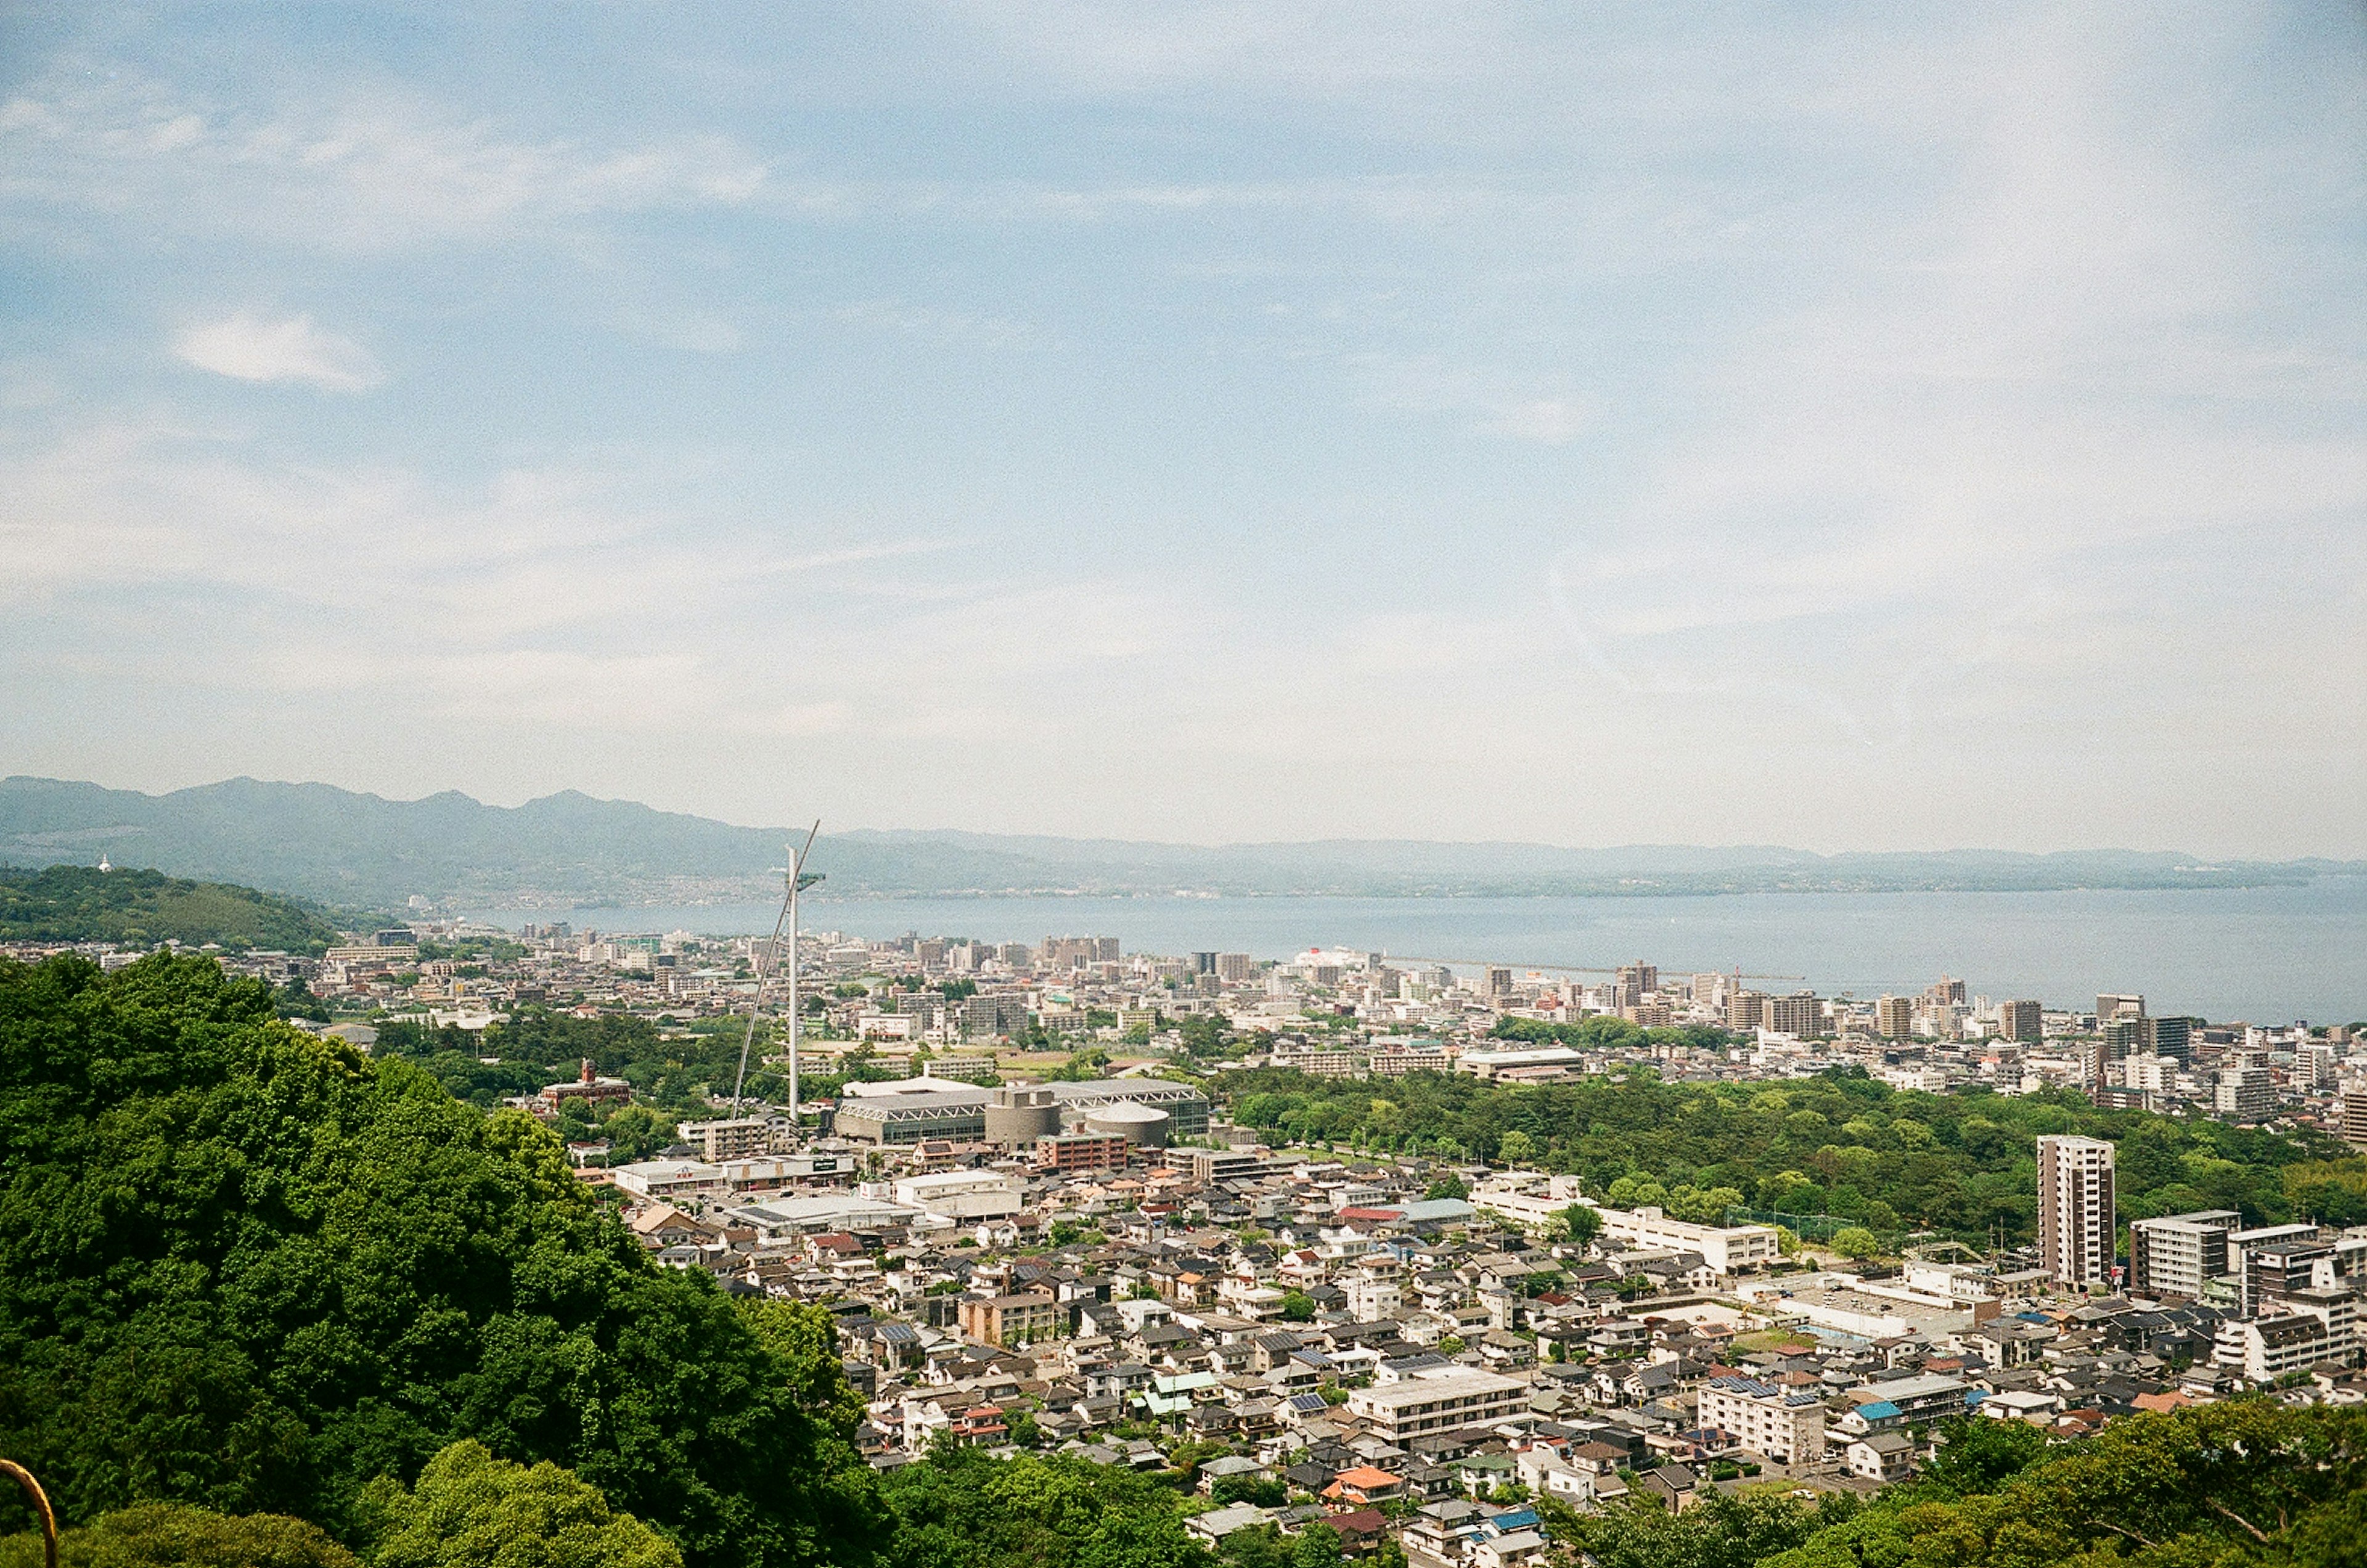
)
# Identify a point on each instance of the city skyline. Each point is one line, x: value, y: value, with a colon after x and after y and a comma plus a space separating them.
x: 1856, y: 432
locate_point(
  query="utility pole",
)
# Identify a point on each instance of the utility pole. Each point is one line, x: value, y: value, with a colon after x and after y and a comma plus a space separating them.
x: 796, y: 879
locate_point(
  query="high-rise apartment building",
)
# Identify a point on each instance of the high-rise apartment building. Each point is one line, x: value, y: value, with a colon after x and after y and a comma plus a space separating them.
x: 2026, y: 1022
x: 2174, y: 1255
x: 2245, y: 1092
x: 1894, y: 1016
x: 1946, y: 991
x: 1639, y: 975
x: 2110, y: 1007
x: 2171, y: 1037
x: 1801, y: 1014
x: 2354, y: 1125
x: 2315, y: 1064
x: 2076, y: 1211
x: 1234, y: 967
x: 1746, y: 1010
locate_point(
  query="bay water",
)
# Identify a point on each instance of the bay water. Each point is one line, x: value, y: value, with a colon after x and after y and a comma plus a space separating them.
x: 2263, y: 954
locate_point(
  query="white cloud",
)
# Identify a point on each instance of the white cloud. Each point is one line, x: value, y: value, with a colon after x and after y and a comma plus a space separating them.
x: 250, y: 348
x: 356, y: 170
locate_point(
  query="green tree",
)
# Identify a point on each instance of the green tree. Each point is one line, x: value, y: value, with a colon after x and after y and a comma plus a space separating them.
x: 1517, y: 1147
x: 1581, y: 1223
x: 1856, y: 1240
x: 1317, y: 1546
x: 958, y: 1508
x: 175, y: 1535
x: 2242, y: 1483
x: 636, y: 1133
x: 1716, y: 1531
x: 1297, y: 1306
x: 1446, y: 1186
x: 471, y: 1510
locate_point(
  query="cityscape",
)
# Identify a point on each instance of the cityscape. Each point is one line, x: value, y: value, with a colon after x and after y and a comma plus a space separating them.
x: 1045, y: 1195
x: 1117, y: 784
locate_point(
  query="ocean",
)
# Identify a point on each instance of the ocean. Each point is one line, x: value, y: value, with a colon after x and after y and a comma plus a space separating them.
x: 2263, y: 954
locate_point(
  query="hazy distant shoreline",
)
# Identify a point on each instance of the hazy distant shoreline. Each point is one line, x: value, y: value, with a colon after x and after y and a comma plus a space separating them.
x: 357, y: 850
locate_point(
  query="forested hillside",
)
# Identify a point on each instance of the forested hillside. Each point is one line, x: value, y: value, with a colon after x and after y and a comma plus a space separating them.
x: 249, y: 1269
x: 79, y: 903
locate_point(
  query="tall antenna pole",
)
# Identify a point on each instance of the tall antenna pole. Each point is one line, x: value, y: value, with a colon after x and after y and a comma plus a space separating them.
x: 799, y: 883
x: 794, y: 879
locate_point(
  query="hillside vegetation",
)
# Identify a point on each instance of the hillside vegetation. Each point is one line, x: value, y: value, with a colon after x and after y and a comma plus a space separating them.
x: 79, y: 903
x: 249, y: 1269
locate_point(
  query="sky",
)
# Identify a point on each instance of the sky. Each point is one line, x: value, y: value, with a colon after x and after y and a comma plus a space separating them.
x: 1842, y: 426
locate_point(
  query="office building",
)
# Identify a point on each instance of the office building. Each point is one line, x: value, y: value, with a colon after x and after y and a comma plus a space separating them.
x: 1728, y: 1249
x: 2109, y: 1008
x: 2171, y: 1037
x: 1893, y: 1017
x: 2076, y: 1209
x: 2023, y: 1021
x: 2174, y: 1255
x: 734, y: 1137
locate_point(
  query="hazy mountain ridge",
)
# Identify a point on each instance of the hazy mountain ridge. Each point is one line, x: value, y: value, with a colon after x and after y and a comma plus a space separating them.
x: 324, y: 842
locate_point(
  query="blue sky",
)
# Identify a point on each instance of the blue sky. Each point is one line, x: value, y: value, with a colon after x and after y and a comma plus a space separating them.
x: 1851, y: 427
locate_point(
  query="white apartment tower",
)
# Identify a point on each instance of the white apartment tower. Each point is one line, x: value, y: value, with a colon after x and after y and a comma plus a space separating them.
x: 2075, y: 1214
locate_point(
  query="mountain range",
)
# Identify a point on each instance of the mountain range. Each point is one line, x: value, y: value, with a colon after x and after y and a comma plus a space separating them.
x: 364, y: 851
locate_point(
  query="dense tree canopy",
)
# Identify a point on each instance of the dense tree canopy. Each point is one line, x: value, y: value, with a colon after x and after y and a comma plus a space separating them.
x: 2246, y: 1483
x: 960, y: 1509
x: 80, y: 903
x: 471, y: 1510
x: 244, y: 1267
x: 2249, y: 1484
x: 175, y: 1535
x: 1841, y: 1144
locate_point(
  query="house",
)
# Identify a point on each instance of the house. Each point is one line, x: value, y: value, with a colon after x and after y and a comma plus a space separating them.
x: 1215, y: 1524
x: 1359, y: 1531
x: 1225, y: 1465
x: 1363, y: 1486
x: 1672, y: 1484
x: 1882, y: 1455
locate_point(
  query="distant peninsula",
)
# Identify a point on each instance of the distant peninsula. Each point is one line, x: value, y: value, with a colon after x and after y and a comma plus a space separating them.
x: 362, y: 851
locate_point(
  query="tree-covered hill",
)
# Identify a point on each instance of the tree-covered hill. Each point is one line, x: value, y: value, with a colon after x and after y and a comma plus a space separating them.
x: 79, y: 903
x: 249, y: 1269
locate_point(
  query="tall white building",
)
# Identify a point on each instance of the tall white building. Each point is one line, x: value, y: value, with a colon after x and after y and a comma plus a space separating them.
x: 2174, y: 1255
x: 2076, y: 1209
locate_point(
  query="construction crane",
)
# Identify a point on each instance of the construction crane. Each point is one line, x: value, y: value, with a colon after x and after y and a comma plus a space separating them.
x: 1552, y: 968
